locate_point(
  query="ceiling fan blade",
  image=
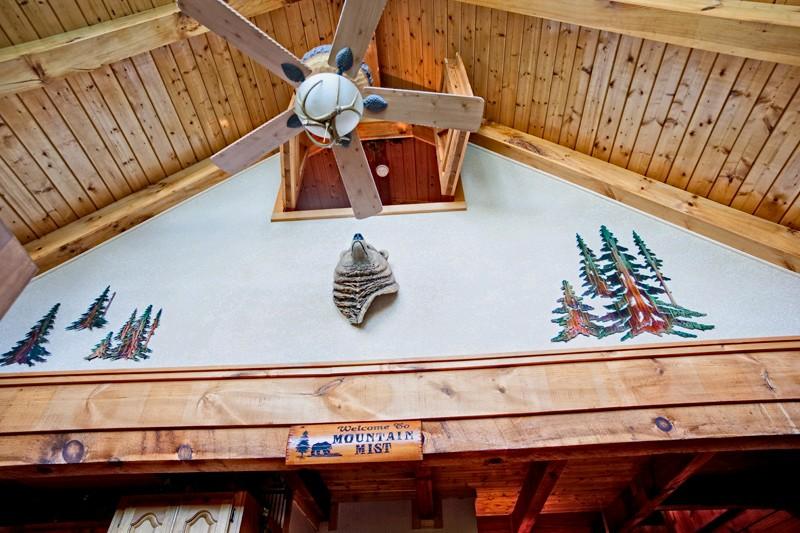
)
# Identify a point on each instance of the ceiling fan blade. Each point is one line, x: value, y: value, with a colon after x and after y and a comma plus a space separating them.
x: 439, y: 110
x: 357, y: 178
x: 249, y: 149
x: 356, y: 25
x: 226, y: 22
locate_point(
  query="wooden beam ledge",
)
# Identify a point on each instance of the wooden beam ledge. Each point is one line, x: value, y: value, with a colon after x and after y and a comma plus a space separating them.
x: 77, y: 237
x: 764, y: 239
x: 30, y: 65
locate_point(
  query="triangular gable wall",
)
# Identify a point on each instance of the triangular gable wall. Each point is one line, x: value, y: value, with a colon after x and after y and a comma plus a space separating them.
x: 236, y: 289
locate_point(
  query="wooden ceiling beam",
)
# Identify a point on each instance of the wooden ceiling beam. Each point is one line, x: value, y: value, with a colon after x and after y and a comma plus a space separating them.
x: 538, y: 485
x: 764, y: 239
x: 659, y: 478
x: 32, y: 64
x: 760, y: 31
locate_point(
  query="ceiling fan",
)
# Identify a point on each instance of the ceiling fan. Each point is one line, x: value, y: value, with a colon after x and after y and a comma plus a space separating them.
x: 333, y: 94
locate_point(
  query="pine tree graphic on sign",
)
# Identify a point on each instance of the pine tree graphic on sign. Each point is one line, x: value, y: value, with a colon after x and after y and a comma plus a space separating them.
x: 303, y: 445
x: 29, y: 350
x: 654, y: 264
x: 576, y: 319
x: 95, y: 316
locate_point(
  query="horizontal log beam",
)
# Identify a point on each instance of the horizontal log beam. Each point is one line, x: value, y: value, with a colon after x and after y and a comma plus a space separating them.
x: 79, y: 236
x: 764, y: 239
x: 30, y: 65
x: 653, y: 378
x: 760, y: 31
x: 625, y: 433
x: 16, y: 269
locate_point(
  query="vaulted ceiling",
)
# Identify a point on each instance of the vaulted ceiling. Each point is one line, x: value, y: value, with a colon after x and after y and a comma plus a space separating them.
x: 717, y: 125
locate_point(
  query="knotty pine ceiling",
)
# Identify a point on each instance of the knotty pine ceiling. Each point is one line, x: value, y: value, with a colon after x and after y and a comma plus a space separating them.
x: 719, y: 126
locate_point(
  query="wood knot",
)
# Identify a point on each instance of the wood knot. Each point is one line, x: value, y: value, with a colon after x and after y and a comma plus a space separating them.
x: 663, y: 424
x: 73, y: 451
x: 185, y: 452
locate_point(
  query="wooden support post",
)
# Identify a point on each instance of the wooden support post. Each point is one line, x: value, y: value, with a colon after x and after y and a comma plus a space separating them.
x: 426, y: 508
x: 659, y: 478
x: 451, y: 145
x: 16, y: 269
x: 301, y: 495
x: 539, y: 483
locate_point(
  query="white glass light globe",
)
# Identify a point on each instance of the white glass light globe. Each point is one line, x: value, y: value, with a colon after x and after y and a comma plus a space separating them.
x: 322, y: 93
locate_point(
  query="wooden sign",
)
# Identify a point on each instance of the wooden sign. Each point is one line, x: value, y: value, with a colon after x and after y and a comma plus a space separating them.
x: 359, y: 442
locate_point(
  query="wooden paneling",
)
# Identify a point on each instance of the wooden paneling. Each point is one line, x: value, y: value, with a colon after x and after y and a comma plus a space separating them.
x: 716, y: 125
x: 413, y: 175
x: 82, y: 142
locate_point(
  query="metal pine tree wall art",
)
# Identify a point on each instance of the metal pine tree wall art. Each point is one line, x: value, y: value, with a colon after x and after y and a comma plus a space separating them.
x: 95, y: 315
x: 635, y: 286
x: 132, y: 339
x: 30, y: 350
x: 576, y: 318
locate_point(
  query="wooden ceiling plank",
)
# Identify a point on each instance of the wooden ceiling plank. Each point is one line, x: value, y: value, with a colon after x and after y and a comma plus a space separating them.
x: 168, y: 70
x: 230, y: 83
x: 562, y: 71
x: 718, y: 89
x: 510, y: 71
x: 660, y: 477
x: 220, y: 105
x: 783, y: 192
x: 771, y: 35
x: 67, y: 145
x: 764, y: 239
x: 34, y: 62
x: 548, y: 44
x: 92, y: 101
x: 165, y: 109
x: 658, y: 105
x: 588, y: 40
x: 771, y: 104
x: 15, y: 222
x: 650, y: 57
x: 498, y: 42
x: 141, y: 107
x: 619, y: 86
x: 596, y: 90
x: 730, y: 123
x: 249, y: 85
x: 538, y: 485
x: 777, y: 150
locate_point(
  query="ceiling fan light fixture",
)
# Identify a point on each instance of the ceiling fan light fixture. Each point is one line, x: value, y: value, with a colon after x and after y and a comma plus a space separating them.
x: 329, y: 106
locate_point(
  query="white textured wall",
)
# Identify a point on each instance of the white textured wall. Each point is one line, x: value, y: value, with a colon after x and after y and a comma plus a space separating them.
x: 237, y: 289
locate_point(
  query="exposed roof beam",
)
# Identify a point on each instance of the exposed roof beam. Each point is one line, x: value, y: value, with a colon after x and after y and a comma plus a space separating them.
x: 16, y: 269
x: 32, y: 64
x: 77, y: 237
x: 659, y: 478
x: 761, y: 31
x: 539, y: 483
x: 769, y: 241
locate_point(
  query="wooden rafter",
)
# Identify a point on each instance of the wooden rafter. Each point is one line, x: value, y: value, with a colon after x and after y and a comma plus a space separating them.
x: 539, y: 483
x: 764, y: 239
x: 659, y: 478
x: 32, y: 64
x: 760, y: 31
x: 89, y: 231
